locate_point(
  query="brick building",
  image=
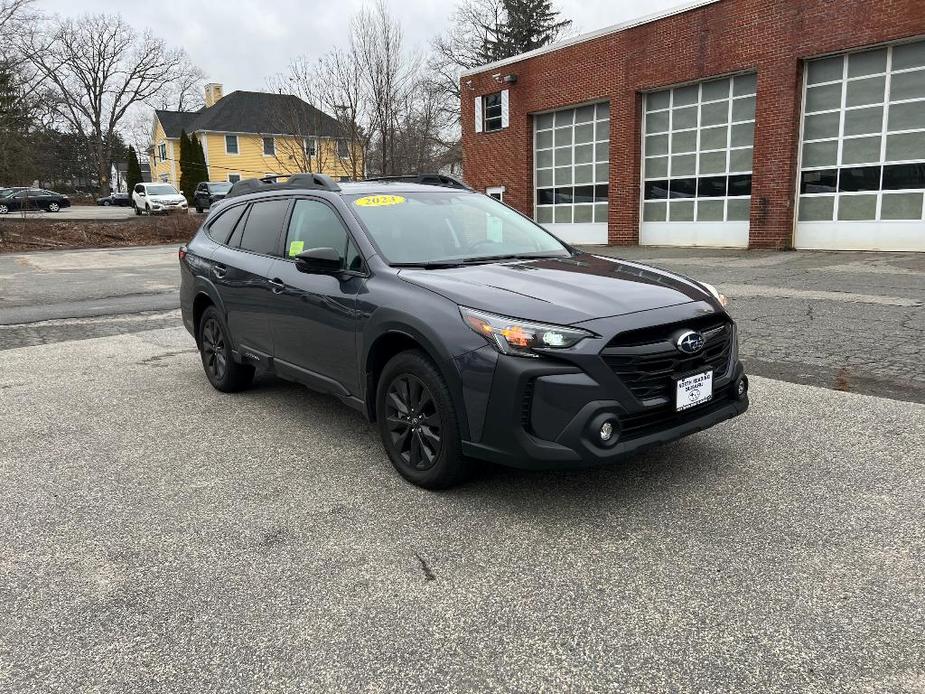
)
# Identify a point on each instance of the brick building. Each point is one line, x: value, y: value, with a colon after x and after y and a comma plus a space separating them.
x: 761, y: 123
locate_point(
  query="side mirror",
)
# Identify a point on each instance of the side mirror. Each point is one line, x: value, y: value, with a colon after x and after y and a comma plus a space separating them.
x: 319, y: 261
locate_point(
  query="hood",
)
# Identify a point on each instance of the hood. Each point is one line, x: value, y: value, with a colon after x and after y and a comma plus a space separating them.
x: 560, y: 290
x: 166, y: 198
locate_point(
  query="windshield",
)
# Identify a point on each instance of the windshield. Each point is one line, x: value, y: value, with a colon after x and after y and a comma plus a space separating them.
x: 162, y: 189
x: 6, y: 192
x: 219, y: 187
x: 449, y: 227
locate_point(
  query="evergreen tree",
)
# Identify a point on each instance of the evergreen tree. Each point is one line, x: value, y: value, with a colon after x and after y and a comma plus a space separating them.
x: 201, y: 170
x: 529, y: 24
x: 133, y: 174
x: 187, y: 167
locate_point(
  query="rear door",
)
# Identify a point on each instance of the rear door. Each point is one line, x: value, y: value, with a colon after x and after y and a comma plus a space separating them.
x: 240, y: 272
x: 314, y: 319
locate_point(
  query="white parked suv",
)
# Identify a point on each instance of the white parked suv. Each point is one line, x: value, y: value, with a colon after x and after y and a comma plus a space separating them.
x: 157, y: 198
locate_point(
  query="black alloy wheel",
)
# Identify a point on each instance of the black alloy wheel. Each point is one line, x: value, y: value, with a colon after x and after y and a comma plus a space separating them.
x: 223, y: 372
x: 414, y: 423
x: 214, y: 349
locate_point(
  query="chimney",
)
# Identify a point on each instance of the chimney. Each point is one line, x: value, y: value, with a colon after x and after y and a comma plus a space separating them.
x: 213, y: 93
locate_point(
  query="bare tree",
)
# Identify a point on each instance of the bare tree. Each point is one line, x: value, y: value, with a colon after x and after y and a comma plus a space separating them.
x: 100, y: 68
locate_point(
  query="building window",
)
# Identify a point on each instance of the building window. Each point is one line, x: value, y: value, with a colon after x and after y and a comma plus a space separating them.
x: 863, y: 148
x: 234, y: 178
x: 697, y: 150
x: 162, y: 151
x: 496, y: 192
x: 163, y: 177
x: 269, y: 147
x: 571, y: 149
x: 311, y: 147
x: 491, y: 110
x: 343, y: 151
x: 231, y: 144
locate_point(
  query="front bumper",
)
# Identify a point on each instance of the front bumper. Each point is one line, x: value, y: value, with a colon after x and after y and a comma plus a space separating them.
x: 547, y: 413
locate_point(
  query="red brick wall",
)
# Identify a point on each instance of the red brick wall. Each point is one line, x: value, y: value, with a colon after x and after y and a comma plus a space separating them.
x: 771, y: 37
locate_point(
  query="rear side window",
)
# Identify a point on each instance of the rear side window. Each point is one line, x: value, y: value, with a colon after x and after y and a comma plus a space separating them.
x: 263, y: 225
x: 220, y: 230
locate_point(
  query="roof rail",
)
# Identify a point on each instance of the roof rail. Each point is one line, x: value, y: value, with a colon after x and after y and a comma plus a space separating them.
x: 427, y: 179
x: 311, y: 181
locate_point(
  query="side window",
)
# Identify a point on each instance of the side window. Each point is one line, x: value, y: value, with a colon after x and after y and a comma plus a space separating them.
x: 262, y: 227
x: 315, y: 225
x: 220, y: 230
x: 139, y: 188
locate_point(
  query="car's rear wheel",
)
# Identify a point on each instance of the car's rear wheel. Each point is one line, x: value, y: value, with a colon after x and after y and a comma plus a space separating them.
x: 106, y: 203
x: 4, y: 209
x: 418, y: 423
x: 223, y: 372
x: 137, y: 211
x: 54, y: 207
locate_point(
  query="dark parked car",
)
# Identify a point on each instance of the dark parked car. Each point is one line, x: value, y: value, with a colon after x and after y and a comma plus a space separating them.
x: 32, y: 199
x: 115, y: 199
x: 207, y: 194
x: 461, y: 327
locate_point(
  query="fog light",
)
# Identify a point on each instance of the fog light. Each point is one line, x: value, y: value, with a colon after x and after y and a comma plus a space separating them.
x: 742, y: 387
x: 606, y: 431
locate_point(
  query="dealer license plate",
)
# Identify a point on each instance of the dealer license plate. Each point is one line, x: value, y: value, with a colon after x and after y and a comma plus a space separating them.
x: 694, y: 390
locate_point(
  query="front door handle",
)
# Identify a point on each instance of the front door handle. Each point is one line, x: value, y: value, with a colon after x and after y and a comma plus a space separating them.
x: 277, y: 285
x: 219, y: 270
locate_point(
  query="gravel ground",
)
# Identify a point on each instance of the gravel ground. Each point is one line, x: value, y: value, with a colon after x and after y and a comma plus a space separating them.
x: 162, y: 537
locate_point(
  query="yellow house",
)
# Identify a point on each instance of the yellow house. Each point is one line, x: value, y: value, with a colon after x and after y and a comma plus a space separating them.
x: 254, y: 134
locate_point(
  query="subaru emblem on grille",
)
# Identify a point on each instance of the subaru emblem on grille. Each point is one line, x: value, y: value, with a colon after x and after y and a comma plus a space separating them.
x: 689, y: 342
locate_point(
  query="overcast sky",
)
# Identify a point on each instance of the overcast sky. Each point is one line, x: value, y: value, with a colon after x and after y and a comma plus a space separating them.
x: 241, y: 42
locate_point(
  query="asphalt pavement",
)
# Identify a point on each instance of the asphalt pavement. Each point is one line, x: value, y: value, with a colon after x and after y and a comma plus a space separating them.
x: 162, y: 537
x: 78, y: 212
x: 849, y: 321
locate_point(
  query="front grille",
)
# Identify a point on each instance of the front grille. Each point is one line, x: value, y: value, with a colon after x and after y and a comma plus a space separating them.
x: 658, y: 419
x: 645, y: 360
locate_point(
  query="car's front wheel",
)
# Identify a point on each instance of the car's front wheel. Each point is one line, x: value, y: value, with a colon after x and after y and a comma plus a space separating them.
x: 418, y: 422
x: 4, y: 209
x: 223, y: 372
x: 137, y: 210
x: 54, y: 207
x: 106, y: 203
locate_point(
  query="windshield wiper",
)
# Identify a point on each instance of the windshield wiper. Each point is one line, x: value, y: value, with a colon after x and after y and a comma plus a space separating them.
x: 509, y: 256
x: 429, y: 264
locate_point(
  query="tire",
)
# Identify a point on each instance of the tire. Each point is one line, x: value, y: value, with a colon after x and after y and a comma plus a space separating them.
x: 148, y: 209
x: 54, y: 207
x: 199, y: 210
x: 137, y: 211
x: 418, y: 423
x: 223, y: 372
x: 4, y: 209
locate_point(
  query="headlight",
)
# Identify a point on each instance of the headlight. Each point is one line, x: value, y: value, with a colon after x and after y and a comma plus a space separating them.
x: 519, y: 337
x: 721, y: 298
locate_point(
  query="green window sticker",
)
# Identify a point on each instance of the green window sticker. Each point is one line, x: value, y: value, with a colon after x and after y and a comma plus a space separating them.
x: 296, y: 247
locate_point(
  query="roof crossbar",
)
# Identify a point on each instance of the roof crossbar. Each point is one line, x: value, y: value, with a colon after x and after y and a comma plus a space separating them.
x: 427, y: 179
x: 302, y: 181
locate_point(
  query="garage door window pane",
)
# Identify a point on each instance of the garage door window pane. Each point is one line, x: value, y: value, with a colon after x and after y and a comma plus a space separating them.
x: 822, y: 126
x: 657, y: 144
x: 740, y: 160
x: 744, y: 84
x: 681, y: 211
x: 907, y: 85
x: 682, y: 118
x: 901, y: 206
x: 583, y: 214
x: 658, y: 100
x: 820, y: 154
x: 716, y: 113
x: 865, y: 91
x: 861, y: 150
x: 737, y: 209
x: 861, y: 121
x: 683, y: 165
x: 602, y: 130
x: 584, y: 133
x: 585, y: 114
x: 601, y: 173
x: 910, y: 116
x: 685, y: 141
x: 544, y: 177
x: 717, y: 89
x: 656, y: 167
x: 714, y: 138
x: 657, y: 122
x: 584, y: 154
x: 857, y: 207
x: 742, y: 135
x: 584, y: 174
x: 826, y: 70
x: 909, y: 55
x: 713, y: 162
x: 563, y: 214
x: 686, y: 95
x: 544, y: 158
x: 813, y: 209
x: 743, y: 109
x: 544, y: 139
x: 710, y: 210
x: 824, y: 98
x: 544, y: 215
x: 905, y: 146
x: 869, y: 63
x: 654, y: 211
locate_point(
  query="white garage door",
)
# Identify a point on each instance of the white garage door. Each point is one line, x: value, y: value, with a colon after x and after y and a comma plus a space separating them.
x: 862, y: 167
x: 697, y: 163
x: 571, y: 149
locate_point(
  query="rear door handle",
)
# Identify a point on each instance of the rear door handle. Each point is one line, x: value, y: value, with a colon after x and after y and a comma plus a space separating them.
x: 277, y: 285
x: 219, y: 270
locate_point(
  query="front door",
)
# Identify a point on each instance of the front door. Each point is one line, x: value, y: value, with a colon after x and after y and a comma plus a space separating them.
x: 240, y: 271
x: 314, y: 320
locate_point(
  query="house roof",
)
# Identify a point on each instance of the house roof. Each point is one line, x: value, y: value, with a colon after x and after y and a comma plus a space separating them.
x: 253, y: 112
x: 590, y: 36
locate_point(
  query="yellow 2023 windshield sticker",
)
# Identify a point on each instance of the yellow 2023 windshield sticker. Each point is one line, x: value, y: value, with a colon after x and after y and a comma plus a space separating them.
x: 379, y: 200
